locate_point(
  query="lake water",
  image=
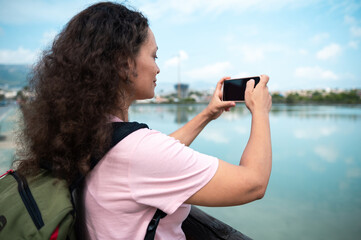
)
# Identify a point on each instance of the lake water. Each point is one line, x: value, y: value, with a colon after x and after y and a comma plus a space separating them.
x: 315, y: 186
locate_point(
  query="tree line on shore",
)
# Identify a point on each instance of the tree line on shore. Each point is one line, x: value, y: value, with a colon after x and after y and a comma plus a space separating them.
x: 319, y: 96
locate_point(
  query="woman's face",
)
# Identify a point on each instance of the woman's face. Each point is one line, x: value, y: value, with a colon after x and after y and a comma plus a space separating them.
x: 146, y: 69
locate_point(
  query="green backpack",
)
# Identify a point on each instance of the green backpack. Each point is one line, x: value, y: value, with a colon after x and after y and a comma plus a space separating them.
x: 44, y: 213
x: 42, y: 206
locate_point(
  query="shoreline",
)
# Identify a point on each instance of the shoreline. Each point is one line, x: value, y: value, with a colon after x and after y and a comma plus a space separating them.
x: 243, y: 104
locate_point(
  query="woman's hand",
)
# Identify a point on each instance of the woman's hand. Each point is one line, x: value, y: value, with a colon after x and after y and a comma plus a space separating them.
x: 258, y: 99
x: 216, y: 106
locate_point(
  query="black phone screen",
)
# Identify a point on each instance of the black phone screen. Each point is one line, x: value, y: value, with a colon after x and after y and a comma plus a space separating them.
x: 234, y: 89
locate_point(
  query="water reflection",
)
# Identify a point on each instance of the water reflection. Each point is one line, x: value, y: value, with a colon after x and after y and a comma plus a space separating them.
x: 314, y: 132
x: 184, y: 112
x: 2, y: 136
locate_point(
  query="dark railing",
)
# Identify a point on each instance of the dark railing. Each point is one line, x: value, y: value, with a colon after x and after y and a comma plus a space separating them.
x: 199, y: 226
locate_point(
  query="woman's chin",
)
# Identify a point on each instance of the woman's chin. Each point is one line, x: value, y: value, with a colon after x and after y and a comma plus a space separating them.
x: 148, y: 97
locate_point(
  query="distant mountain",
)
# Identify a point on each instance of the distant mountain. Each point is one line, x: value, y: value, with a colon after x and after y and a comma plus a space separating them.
x: 13, y: 76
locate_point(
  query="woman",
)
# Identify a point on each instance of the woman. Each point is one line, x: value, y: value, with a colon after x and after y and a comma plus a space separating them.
x: 102, y: 61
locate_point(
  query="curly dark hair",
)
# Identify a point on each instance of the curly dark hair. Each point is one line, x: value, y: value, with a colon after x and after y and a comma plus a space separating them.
x: 78, y: 83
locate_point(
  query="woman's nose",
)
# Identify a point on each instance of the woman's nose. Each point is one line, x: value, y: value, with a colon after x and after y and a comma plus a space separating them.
x: 158, y: 70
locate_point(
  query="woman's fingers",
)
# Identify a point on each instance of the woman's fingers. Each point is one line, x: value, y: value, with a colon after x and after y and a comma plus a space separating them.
x: 264, y: 79
x: 258, y: 98
x: 220, y: 84
x: 249, y: 88
x: 227, y: 104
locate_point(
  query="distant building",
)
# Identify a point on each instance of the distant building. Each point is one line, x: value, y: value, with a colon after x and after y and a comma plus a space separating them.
x: 181, y: 89
x: 10, y: 94
x: 159, y: 99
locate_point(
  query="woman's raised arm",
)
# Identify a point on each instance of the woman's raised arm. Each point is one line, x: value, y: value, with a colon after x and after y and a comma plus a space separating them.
x: 239, y: 184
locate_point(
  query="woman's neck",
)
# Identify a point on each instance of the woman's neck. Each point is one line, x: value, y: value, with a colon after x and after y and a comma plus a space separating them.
x: 123, y: 115
x: 123, y: 110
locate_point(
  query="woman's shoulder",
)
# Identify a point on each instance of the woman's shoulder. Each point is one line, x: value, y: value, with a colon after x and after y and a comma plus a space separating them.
x: 149, y: 136
x: 145, y: 141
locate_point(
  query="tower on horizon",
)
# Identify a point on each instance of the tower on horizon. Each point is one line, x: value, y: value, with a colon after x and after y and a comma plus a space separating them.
x: 182, y: 90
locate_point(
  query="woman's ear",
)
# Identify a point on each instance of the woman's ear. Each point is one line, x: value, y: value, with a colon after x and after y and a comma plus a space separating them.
x: 131, y: 65
x: 132, y: 68
x: 126, y: 69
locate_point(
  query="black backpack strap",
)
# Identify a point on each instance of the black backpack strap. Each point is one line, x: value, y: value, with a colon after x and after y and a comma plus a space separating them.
x: 120, y: 131
x: 152, y: 227
x: 28, y: 200
x: 123, y: 129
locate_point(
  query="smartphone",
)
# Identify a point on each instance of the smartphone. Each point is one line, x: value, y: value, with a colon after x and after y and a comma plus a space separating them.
x: 234, y: 89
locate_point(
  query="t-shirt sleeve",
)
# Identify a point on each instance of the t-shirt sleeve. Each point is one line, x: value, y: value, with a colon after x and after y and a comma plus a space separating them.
x: 164, y: 173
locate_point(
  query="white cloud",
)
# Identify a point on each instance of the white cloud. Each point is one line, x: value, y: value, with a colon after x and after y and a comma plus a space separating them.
x: 242, y: 75
x: 181, y: 56
x: 48, y: 37
x: 187, y: 8
x: 315, y: 73
x: 329, y: 51
x: 327, y: 74
x: 349, y: 20
x: 353, y: 44
x: 18, y: 56
x: 251, y: 53
x: 23, y: 11
x: 356, y: 31
x: 326, y: 153
x: 303, y: 52
x: 211, y: 71
x: 319, y: 38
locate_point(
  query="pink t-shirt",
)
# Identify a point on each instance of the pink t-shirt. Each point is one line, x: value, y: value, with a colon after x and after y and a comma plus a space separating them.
x: 145, y: 171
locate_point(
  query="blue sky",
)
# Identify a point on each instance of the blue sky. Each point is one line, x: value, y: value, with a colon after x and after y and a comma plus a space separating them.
x: 300, y: 44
